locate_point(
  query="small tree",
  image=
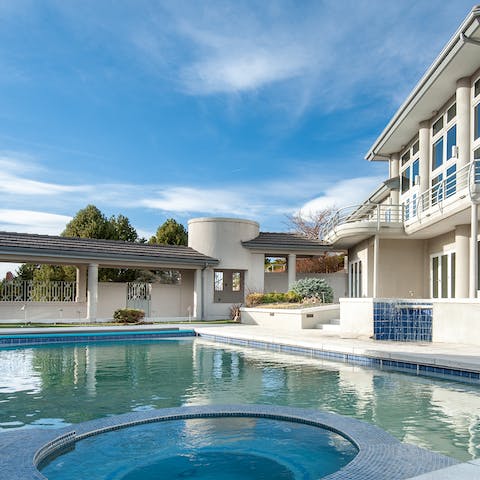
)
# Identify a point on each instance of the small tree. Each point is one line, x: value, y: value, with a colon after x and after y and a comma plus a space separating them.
x: 170, y: 233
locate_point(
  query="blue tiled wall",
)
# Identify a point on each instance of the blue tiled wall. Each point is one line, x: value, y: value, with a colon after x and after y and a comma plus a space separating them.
x: 402, y: 321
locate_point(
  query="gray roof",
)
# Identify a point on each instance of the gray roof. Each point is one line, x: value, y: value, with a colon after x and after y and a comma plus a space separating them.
x: 286, y: 242
x: 18, y: 244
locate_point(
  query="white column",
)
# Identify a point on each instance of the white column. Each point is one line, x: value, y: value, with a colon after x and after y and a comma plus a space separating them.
x: 376, y: 247
x: 92, y: 293
x: 424, y: 150
x: 198, y: 294
x: 463, y: 121
x: 292, y: 269
x: 395, y: 172
x: 81, y: 283
x: 462, y: 239
x: 474, y: 252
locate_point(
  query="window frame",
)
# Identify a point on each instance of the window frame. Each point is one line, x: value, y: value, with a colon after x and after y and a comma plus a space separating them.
x: 475, y: 114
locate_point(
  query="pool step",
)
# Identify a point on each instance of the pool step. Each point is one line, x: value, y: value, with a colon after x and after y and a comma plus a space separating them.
x: 333, y: 326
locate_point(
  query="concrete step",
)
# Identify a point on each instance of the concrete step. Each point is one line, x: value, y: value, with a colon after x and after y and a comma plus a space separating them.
x: 329, y: 327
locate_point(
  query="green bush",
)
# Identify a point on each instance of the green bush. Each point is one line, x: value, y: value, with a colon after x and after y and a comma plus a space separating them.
x: 313, y: 288
x: 128, y: 315
x: 254, y: 299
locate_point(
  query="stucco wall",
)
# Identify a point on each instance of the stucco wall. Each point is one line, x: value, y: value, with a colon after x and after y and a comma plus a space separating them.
x: 42, y: 311
x: 401, y: 269
x: 173, y: 300
x: 456, y: 321
x: 356, y: 317
x: 111, y: 296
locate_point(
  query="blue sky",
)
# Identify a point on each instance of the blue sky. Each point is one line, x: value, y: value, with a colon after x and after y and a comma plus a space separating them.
x: 156, y: 109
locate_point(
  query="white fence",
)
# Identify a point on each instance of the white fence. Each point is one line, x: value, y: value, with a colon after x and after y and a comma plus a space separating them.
x: 34, y: 291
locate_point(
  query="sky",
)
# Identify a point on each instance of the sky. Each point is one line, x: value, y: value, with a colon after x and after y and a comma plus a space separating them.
x: 159, y: 109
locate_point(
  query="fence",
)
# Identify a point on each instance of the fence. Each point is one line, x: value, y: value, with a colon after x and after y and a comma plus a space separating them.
x: 35, y: 291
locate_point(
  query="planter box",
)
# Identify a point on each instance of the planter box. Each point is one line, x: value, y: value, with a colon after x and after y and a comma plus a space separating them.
x: 290, y: 319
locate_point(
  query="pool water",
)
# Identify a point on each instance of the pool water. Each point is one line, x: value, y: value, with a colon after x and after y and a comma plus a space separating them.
x: 55, y: 386
x: 207, y: 449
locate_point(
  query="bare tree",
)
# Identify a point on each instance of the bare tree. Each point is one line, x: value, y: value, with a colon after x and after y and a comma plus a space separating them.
x: 310, y: 225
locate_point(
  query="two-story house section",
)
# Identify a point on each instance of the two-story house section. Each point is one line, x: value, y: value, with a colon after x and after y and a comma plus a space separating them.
x: 417, y: 234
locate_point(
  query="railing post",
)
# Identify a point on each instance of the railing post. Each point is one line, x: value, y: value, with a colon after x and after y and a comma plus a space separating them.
x: 378, y: 217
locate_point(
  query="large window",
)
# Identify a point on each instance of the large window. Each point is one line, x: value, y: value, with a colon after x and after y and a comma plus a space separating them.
x: 444, y: 155
x: 443, y: 275
x: 410, y: 168
x: 476, y: 111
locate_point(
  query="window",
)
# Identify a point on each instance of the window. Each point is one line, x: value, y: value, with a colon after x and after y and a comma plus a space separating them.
x: 355, y: 279
x: 415, y: 171
x: 444, y: 143
x: 437, y: 189
x: 405, y: 158
x: 443, y: 275
x: 452, y: 112
x: 218, y: 281
x: 451, y: 141
x: 437, y: 126
x: 405, y: 180
x: 451, y: 181
x: 476, y: 134
x: 415, y: 148
x: 236, y: 281
x: 477, y: 88
x: 437, y: 154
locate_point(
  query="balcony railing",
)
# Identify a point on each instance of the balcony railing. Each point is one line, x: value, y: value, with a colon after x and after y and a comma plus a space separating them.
x: 372, y: 213
x: 443, y: 189
x: 34, y: 291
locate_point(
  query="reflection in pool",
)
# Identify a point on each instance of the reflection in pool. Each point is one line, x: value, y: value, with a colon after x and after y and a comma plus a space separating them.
x: 52, y: 386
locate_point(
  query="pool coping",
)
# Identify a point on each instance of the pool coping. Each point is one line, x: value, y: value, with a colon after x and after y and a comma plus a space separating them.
x: 380, y: 455
x: 409, y: 363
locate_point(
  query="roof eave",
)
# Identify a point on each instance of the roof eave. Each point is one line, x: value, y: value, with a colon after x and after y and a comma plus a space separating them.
x: 471, y: 23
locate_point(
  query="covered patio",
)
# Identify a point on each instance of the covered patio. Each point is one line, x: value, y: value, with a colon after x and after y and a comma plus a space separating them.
x: 88, y: 299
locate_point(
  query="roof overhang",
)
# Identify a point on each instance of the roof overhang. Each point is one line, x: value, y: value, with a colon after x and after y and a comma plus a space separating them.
x: 459, y: 58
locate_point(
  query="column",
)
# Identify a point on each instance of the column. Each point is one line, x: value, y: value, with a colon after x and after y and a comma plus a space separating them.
x: 474, y: 251
x: 198, y: 294
x: 462, y: 239
x: 92, y: 292
x: 292, y: 269
x: 463, y: 121
x: 81, y: 283
x: 395, y: 172
x: 376, y: 263
x: 424, y: 149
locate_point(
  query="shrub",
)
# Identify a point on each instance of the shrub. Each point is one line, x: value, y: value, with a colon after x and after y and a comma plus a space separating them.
x: 128, y: 315
x: 313, y: 288
x: 254, y: 299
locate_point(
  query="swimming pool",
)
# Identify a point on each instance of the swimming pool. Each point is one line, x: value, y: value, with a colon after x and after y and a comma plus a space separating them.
x: 55, y: 386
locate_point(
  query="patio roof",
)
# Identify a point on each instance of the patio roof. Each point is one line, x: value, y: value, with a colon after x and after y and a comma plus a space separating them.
x: 272, y: 242
x: 26, y: 247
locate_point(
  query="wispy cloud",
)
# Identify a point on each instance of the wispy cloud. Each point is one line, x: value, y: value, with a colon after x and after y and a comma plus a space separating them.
x: 347, y: 192
x: 30, y: 221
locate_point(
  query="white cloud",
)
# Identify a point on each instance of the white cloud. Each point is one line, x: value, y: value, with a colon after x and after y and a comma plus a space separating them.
x: 29, y: 221
x: 197, y: 200
x: 344, y: 193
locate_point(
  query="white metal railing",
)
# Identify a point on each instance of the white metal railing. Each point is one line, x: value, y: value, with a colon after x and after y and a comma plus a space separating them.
x: 36, y: 291
x: 374, y: 213
x: 443, y: 189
